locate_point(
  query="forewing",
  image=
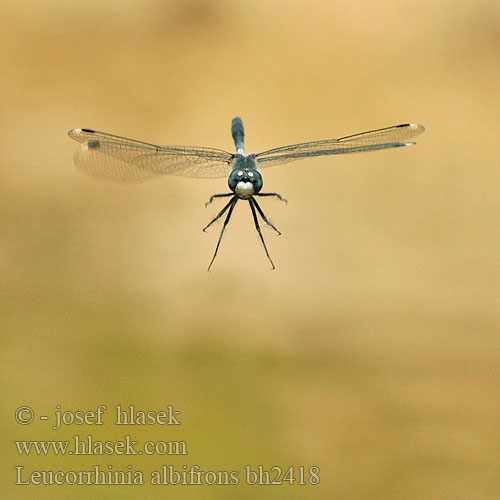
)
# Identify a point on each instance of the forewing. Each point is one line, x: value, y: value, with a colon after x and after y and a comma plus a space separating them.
x: 384, y: 138
x: 127, y: 160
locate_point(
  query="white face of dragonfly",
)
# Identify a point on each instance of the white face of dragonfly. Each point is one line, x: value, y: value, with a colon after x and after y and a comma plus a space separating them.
x: 245, y: 183
x: 244, y: 188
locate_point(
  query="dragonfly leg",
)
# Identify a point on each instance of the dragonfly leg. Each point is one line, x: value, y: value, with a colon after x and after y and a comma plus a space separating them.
x: 219, y: 215
x: 263, y: 216
x: 231, y: 204
x: 251, y: 201
x: 217, y: 196
x: 276, y: 195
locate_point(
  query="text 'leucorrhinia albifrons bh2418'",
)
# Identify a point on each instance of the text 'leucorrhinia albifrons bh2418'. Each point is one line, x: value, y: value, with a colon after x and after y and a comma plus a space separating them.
x: 114, y: 157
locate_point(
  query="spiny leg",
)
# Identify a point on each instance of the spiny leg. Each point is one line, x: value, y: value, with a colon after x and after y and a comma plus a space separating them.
x: 263, y: 216
x: 217, y: 196
x: 251, y: 201
x: 276, y: 195
x: 219, y: 215
x: 232, y: 203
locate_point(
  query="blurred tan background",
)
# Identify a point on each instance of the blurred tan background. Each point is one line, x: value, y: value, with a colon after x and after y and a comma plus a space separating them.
x: 372, y: 351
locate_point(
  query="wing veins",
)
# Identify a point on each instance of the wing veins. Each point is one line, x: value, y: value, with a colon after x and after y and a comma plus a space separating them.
x: 119, y: 158
x: 373, y: 140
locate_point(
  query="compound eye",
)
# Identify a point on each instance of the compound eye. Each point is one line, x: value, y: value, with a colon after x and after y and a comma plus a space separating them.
x: 240, y: 173
x: 250, y: 174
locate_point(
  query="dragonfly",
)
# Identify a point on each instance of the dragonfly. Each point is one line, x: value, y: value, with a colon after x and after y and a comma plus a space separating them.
x: 127, y: 160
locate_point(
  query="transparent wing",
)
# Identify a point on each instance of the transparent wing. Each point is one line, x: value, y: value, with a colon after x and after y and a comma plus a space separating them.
x: 383, y: 138
x: 127, y: 160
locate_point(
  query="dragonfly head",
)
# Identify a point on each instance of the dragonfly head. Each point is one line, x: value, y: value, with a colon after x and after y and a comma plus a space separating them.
x: 245, y: 182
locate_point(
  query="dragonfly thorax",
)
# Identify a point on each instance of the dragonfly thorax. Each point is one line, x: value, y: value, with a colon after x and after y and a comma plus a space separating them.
x: 245, y: 182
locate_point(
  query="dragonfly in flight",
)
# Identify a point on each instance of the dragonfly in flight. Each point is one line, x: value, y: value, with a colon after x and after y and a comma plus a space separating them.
x: 127, y: 160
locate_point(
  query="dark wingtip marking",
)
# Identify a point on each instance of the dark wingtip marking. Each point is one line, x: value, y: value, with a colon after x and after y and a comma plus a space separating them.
x: 404, y: 125
x: 88, y: 130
